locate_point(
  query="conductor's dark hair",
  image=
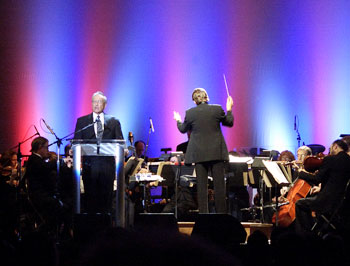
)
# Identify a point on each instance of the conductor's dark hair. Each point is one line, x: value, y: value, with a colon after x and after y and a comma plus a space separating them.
x: 342, y: 144
x: 199, y: 95
x: 37, y: 143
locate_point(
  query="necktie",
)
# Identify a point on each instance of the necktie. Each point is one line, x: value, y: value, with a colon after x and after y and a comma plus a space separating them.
x: 99, y: 128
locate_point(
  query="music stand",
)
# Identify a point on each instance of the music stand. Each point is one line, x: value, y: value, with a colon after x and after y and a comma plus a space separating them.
x: 277, y: 177
x: 172, y: 173
x: 132, y: 165
x: 239, y: 166
x: 178, y: 156
x: 260, y: 167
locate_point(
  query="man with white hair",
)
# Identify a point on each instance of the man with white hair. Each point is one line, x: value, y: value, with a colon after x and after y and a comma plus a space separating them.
x: 98, y: 172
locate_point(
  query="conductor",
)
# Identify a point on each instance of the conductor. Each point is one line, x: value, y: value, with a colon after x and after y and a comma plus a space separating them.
x: 207, y: 147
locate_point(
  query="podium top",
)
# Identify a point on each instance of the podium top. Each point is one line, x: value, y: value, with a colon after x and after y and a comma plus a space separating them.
x: 94, y: 147
x: 96, y: 141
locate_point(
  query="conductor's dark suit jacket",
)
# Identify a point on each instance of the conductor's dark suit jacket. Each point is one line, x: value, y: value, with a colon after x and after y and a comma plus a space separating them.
x: 206, y: 142
x: 112, y: 128
x: 333, y: 174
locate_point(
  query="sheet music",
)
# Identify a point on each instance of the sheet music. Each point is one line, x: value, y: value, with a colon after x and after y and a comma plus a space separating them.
x: 148, y: 177
x: 237, y: 159
x: 276, y: 172
x: 287, y: 172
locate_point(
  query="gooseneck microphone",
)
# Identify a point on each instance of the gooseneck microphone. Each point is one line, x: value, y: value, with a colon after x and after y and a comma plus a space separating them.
x: 48, y: 127
x: 151, y: 123
x: 37, y: 132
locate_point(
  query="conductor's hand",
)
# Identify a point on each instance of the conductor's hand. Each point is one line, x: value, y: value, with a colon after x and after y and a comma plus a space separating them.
x: 177, y: 117
x: 229, y: 104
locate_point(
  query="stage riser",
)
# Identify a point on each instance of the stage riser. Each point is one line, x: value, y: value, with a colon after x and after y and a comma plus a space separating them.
x: 187, y: 227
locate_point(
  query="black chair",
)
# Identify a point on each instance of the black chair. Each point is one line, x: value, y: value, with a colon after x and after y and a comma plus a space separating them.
x: 337, y: 220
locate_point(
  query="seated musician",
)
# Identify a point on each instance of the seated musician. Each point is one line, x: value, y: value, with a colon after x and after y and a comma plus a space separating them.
x: 66, y: 178
x: 287, y: 156
x: 302, y: 153
x: 333, y: 173
x: 41, y: 183
x: 183, y: 146
x: 8, y: 194
x: 346, y: 139
x: 135, y: 193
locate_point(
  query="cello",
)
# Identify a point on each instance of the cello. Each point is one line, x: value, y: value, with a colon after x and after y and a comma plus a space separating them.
x: 299, y: 189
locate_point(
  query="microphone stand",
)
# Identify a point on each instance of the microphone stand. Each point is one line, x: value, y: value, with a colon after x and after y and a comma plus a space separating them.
x: 146, y: 149
x: 298, y: 138
x: 59, y: 143
x: 149, y: 134
x: 66, y: 137
x: 19, y: 176
x: 296, y: 128
x: 176, y: 181
x: 19, y: 156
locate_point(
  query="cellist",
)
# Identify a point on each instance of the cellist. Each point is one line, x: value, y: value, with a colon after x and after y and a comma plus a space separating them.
x: 302, y: 153
x: 333, y: 173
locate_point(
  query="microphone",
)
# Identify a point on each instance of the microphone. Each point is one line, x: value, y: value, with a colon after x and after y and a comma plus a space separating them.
x: 150, y: 120
x: 131, y: 138
x: 37, y: 132
x: 295, y: 122
x: 48, y: 127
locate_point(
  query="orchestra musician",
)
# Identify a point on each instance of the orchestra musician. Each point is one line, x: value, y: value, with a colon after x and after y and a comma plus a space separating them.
x: 40, y: 177
x: 287, y: 156
x: 66, y: 178
x: 183, y: 146
x: 207, y: 147
x: 346, y: 139
x: 333, y: 173
x: 8, y: 193
x: 99, y: 172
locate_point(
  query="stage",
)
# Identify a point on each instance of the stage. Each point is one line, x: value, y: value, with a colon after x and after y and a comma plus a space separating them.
x: 266, y: 228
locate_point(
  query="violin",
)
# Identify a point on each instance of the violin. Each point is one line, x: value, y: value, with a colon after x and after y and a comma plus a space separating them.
x: 313, y: 163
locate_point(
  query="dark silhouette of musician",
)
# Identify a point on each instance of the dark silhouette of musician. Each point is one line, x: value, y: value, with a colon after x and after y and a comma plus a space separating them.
x: 333, y: 173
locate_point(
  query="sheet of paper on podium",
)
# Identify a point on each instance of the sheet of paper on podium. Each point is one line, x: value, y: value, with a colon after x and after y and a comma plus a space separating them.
x: 276, y: 172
